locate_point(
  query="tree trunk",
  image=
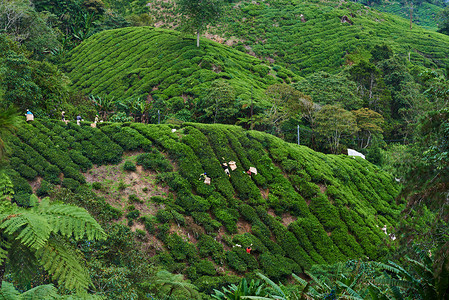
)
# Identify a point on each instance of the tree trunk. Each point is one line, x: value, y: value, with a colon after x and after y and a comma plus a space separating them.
x: 198, y: 39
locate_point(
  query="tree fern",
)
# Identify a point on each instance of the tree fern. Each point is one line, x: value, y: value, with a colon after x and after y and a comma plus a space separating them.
x: 6, y: 187
x: 8, y: 292
x: 40, y: 232
x: 47, y: 291
x: 63, y: 264
x: 32, y: 230
x: 69, y: 220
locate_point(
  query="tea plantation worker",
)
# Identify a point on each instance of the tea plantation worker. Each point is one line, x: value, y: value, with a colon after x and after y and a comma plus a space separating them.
x: 78, y: 120
x: 96, y: 119
x: 63, y: 116
x: 202, y: 176
x: 29, y: 116
x: 226, y: 169
x: 248, y: 250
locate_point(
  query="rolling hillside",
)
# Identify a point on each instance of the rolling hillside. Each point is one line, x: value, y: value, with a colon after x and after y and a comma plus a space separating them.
x: 300, y: 209
x: 318, y: 41
x: 155, y: 63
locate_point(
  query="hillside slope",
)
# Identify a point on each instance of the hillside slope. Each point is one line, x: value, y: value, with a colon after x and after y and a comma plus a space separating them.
x: 155, y: 63
x: 302, y: 207
x: 320, y: 40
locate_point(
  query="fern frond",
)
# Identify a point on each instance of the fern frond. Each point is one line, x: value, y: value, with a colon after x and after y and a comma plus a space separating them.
x: 22, y: 263
x: 69, y: 220
x: 32, y: 230
x: 6, y: 186
x: 63, y: 264
x: 5, y: 245
x: 47, y: 291
x: 8, y: 292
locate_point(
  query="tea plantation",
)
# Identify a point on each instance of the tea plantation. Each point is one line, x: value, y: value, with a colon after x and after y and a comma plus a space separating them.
x: 160, y: 64
x: 301, y: 208
x: 320, y: 40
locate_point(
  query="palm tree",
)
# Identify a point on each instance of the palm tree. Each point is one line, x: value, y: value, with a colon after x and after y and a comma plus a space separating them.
x: 9, y: 119
x: 39, y: 236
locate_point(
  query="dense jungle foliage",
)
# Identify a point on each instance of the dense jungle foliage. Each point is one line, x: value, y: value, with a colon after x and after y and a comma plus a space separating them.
x: 307, y: 225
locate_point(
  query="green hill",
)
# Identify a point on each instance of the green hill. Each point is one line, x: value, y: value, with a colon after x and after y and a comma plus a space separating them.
x: 147, y: 62
x: 423, y: 15
x: 302, y: 207
x: 273, y: 30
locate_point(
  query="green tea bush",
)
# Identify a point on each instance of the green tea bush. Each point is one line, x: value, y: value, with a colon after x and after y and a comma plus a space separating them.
x: 51, y: 174
x: 228, y: 217
x: 27, y: 172
x: 44, y: 189
x: 205, y: 220
x: 23, y: 200
x: 129, y: 166
x: 277, y: 267
x: 234, y: 261
x: 207, y: 246
x: 70, y: 184
x: 83, y: 162
x: 180, y: 249
x: 133, y: 198
x: 149, y: 222
x: 154, y: 161
x: 205, y: 267
x: 164, y: 216
x: 97, y: 185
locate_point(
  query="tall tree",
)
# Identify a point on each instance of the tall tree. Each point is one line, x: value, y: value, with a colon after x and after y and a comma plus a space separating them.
x: 198, y: 14
x: 334, y: 122
x: 284, y: 103
x: 219, y: 103
x: 325, y: 88
x: 369, y: 123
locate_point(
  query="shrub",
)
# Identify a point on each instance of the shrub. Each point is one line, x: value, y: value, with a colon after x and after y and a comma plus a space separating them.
x: 134, y: 199
x: 235, y: 262
x: 205, y: 267
x: 129, y: 166
x: 228, y: 217
x: 44, y: 189
x: 207, y: 246
x: 133, y: 214
x: 23, y: 200
x: 154, y: 161
x: 205, y: 220
x: 51, y: 174
x: 149, y: 223
x: 97, y: 185
x: 141, y: 234
x: 158, y: 199
x: 164, y: 216
x: 83, y: 162
x: 70, y: 183
x: 27, y: 172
